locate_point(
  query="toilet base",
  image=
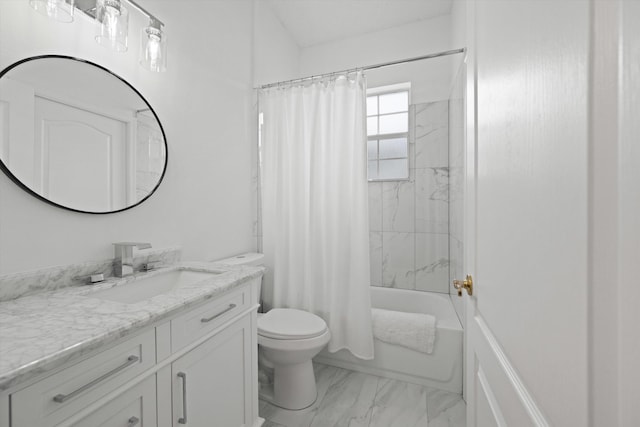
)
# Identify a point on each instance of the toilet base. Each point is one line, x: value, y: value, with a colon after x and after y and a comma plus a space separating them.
x: 293, y: 387
x: 294, y: 382
x: 266, y: 395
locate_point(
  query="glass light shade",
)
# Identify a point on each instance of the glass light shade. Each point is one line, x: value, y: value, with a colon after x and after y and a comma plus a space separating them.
x: 153, y: 49
x: 60, y: 10
x: 113, y: 24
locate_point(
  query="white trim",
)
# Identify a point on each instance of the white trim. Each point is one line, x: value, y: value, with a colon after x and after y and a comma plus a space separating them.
x: 326, y: 359
x: 119, y: 114
x: 491, y: 398
x: 628, y: 294
x: 5, y: 152
x: 518, y: 386
x: 398, y: 87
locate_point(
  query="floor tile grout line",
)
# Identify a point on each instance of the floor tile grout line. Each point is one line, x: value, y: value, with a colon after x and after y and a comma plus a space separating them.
x: 319, y: 404
x: 375, y: 399
x: 333, y: 381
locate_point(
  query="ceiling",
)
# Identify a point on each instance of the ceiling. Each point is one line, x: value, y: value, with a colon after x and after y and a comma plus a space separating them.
x: 312, y: 22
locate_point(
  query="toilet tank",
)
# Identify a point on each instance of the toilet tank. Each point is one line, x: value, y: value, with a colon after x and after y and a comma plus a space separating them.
x: 249, y: 258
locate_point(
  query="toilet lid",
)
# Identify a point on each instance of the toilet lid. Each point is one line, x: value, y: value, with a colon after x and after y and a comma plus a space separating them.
x: 290, y: 324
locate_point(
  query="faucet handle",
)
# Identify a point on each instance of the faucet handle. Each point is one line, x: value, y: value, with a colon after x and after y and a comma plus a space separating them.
x: 139, y: 245
x: 151, y: 265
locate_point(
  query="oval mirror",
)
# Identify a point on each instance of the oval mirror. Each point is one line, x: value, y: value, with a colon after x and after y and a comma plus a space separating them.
x: 77, y: 136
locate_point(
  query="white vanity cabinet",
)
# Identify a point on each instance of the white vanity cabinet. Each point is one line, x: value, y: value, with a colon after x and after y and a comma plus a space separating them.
x: 197, y: 368
x: 56, y: 398
x: 211, y: 384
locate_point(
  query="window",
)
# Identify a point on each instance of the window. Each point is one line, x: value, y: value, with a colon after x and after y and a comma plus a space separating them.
x: 388, y: 132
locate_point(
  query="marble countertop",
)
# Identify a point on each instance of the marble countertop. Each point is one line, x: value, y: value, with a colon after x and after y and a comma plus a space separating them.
x: 43, y: 331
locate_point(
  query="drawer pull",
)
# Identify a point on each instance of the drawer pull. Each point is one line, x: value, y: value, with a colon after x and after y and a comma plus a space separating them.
x: 183, y: 420
x: 60, y: 398
x: 133, y: 421
x: 209, y: 319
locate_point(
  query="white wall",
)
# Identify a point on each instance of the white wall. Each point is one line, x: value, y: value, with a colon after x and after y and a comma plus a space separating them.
x: 628, y: 315
x: 276, y: 54
x: 204, y: 103
x: 458, y: 27
x: 276, y: 58
x: 431, y: 80
x: 405, y: 41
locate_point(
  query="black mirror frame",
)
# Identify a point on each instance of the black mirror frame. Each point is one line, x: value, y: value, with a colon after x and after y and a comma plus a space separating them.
x: 24, y: 187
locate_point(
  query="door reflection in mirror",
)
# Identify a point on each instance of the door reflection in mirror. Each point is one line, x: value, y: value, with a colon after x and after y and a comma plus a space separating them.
x: 76, y: 135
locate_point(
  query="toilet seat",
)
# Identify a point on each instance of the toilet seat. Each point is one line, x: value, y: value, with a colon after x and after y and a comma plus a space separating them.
x: 290, y: 324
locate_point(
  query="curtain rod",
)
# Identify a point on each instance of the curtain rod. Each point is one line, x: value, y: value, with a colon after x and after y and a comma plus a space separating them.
x: 369, y: 67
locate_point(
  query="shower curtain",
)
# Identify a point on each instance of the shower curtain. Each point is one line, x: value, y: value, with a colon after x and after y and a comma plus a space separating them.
x: 314, y: 199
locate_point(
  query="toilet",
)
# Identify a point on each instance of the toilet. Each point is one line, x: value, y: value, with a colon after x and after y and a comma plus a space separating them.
x: 287, y: 339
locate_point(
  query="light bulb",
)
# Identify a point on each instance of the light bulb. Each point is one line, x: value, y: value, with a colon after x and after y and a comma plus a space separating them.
x: 111, y: 22
x: 51, y: 7
x: 153, y: 48
x: 113, y: 28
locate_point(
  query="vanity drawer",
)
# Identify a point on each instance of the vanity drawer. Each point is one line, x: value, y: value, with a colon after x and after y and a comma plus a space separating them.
x: 204, y: 319
x: 135, y: 407
x: 57, y: 397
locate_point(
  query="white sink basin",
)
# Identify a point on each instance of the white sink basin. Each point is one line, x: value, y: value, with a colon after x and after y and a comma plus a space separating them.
x: 149, y: 287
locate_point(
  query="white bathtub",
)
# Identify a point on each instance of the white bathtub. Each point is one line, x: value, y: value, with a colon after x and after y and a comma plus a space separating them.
x: 441, y: 369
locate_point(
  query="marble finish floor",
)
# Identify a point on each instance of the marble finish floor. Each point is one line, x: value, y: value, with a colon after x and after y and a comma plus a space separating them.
x: 353, y: 399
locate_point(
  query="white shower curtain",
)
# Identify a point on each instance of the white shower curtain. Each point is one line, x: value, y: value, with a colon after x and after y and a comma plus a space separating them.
x: 314, y: 202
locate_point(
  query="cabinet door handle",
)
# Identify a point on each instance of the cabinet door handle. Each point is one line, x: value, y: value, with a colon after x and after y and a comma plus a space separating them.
x: 209, y: 319
x: 133, y: 421
x: 183, y: 420
x: 60, y: 398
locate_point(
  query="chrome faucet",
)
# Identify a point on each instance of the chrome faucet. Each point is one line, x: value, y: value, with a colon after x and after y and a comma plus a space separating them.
x: 124, y: 257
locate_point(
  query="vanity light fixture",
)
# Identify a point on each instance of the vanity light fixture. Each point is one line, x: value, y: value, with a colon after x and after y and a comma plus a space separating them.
x: 58, y: 10
x: 112, y: 31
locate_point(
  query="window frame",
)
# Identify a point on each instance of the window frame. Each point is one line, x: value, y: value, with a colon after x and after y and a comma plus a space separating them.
x: 384, y: 90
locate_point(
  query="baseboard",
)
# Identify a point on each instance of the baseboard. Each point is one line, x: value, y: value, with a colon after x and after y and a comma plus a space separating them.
x: 385, y: 373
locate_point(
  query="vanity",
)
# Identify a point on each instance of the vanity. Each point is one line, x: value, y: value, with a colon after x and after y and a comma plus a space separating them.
x: 176, y: 346
x: 171, y: 347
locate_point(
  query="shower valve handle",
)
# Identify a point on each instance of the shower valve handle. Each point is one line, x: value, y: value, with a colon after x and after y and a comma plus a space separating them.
x: 464, y: 284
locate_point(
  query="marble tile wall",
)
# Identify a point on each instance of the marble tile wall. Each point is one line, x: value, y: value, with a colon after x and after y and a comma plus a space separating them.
x: 409, y: 220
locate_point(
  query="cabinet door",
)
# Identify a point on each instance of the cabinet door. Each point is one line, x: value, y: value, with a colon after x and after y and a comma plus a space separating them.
x: 212, y: 383
x: 135, y: 407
